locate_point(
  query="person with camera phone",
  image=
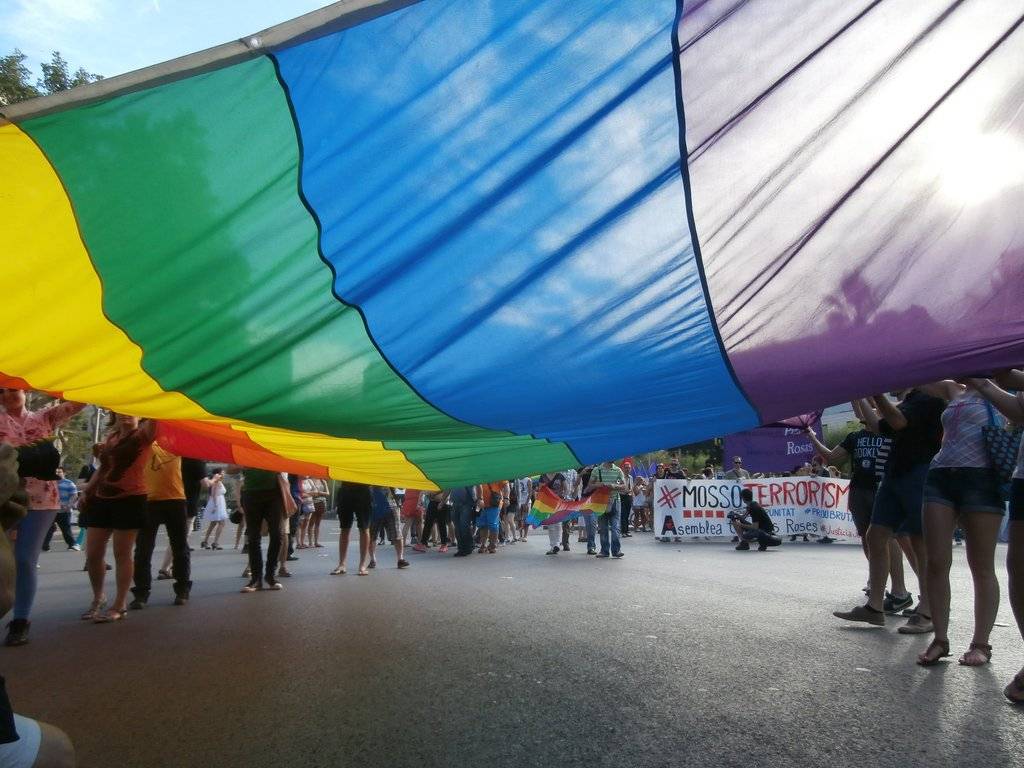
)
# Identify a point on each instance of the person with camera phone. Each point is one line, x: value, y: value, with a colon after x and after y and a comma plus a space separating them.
x: 752, y: 523
x: 32, y: 434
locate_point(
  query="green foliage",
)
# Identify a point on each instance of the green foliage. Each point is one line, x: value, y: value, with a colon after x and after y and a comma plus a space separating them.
x: 57, y: 76
x: 14, y: 83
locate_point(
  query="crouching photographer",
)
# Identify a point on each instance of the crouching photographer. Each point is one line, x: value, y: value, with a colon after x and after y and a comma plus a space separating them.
x: 752, y: 523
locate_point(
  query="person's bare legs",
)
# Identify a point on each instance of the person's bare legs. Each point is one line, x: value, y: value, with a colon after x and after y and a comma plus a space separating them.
x: 239, y: 531
x: 982, y: 530
x: 1015, y: 570
x: 400, y: 549
x: 878, y: 537
x: 124, y: 566
x: 938, y: 522
x: 95, y: 560
x: 896, y: 577
x: 219, y: 525
x: 300, y: 540
x: 343, y: 552
x: 209, y: 532
x: 364, y: 549
x: 919, y: 562
x: 314, y: 528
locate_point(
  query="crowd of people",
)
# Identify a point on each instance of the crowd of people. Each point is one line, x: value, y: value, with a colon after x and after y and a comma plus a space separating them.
x: 923, y: 467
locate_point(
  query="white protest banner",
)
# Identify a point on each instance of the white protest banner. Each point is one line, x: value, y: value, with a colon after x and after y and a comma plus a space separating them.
x: 797, y: 505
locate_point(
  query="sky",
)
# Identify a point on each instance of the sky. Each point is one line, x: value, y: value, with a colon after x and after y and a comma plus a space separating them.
x: 110, y: 37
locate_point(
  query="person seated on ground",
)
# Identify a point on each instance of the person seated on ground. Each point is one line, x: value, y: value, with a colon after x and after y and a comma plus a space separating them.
x: 24, y: 743
x: 753, y: 524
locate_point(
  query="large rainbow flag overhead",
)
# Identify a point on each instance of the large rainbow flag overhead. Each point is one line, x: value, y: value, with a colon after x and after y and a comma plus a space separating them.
x: 431, y: 243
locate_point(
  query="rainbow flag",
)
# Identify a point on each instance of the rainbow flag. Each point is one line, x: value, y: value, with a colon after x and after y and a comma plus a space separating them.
x: 430, y: 244
x: 548, y: 509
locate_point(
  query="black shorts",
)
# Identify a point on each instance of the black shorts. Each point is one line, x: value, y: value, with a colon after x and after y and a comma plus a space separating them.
x: 898, y: 502
x: 1017, y: 500
x: 390, y: 523
x: 127, y: 513
x: 862, y: 501
x: 360, y: 513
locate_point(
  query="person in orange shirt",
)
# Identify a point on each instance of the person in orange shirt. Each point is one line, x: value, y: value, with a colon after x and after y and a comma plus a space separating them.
x: 495, y: 499
x: 165, y: 504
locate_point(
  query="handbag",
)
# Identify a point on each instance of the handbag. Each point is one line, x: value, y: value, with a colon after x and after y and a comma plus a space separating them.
x: 235, y: 517
x: 1002, y: 444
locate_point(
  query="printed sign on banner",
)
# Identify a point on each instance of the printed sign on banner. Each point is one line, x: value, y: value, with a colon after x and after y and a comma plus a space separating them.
x: 797, y: 505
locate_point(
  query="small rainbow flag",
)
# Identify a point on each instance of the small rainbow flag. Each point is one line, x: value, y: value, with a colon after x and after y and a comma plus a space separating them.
x: 548, y: 509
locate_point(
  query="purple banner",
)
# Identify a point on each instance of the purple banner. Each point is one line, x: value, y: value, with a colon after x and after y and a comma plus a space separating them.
x: 770, y: 449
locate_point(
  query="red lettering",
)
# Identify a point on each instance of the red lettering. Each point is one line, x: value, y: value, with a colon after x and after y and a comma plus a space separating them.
x: 776, y: 491
x: 803, y: 490
x: 788, y: 493
x: 814, y: 491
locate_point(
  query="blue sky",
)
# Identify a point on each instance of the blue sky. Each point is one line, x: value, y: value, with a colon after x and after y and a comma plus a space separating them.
x: 110, y: 37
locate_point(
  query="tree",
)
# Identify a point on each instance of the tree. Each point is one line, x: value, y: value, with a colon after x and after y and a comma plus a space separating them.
x: 14, y: 84
x: 57, y: 76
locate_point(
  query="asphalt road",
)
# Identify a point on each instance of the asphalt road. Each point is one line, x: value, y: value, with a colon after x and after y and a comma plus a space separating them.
x: 677, y: 655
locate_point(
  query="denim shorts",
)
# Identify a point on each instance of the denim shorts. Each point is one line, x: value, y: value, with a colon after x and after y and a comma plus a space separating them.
x: 898, y: 501
x: 964, y: 488
x: 1017, y: 500
x: 488, y: 519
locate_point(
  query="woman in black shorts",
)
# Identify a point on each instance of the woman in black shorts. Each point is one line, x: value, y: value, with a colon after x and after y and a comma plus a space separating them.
x: 1012, y: 406
x: 115, y: 507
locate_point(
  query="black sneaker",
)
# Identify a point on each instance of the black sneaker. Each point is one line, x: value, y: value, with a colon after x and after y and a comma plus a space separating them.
x: 181, y: 600
x: 137, y: 604
x: 591, y: 551
x: 618, y: 555
x: 826, y: 540
x: 895, y: 604
x: 743, y: 546
x: 762, y: 548
x: 17, y: 632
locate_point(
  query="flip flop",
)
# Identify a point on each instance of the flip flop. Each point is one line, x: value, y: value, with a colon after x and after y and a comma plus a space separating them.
x: 363, y: 572
x: 339, y: 571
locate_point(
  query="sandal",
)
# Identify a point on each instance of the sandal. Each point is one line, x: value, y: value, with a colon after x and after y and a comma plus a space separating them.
x: 1016, y: 697
x: 339, y: 571
x: 925, y: 661
x: 94, y: 609
x: 163, y: 575
x: 114, y: 614
x: 984, y: 649
x: 363, y: 572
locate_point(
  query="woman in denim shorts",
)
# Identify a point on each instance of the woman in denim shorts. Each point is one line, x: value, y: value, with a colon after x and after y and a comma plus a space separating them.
x: 962, y: 490
x: 1012, y: 406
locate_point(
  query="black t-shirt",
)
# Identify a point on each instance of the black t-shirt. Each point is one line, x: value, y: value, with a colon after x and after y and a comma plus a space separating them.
x: 192, y: 473
x: 354, y: 496
x: 868, y: 455
x: 8, y: 732
x: 920, y: 440
x: 759, y: 517
x: 675, y: 474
